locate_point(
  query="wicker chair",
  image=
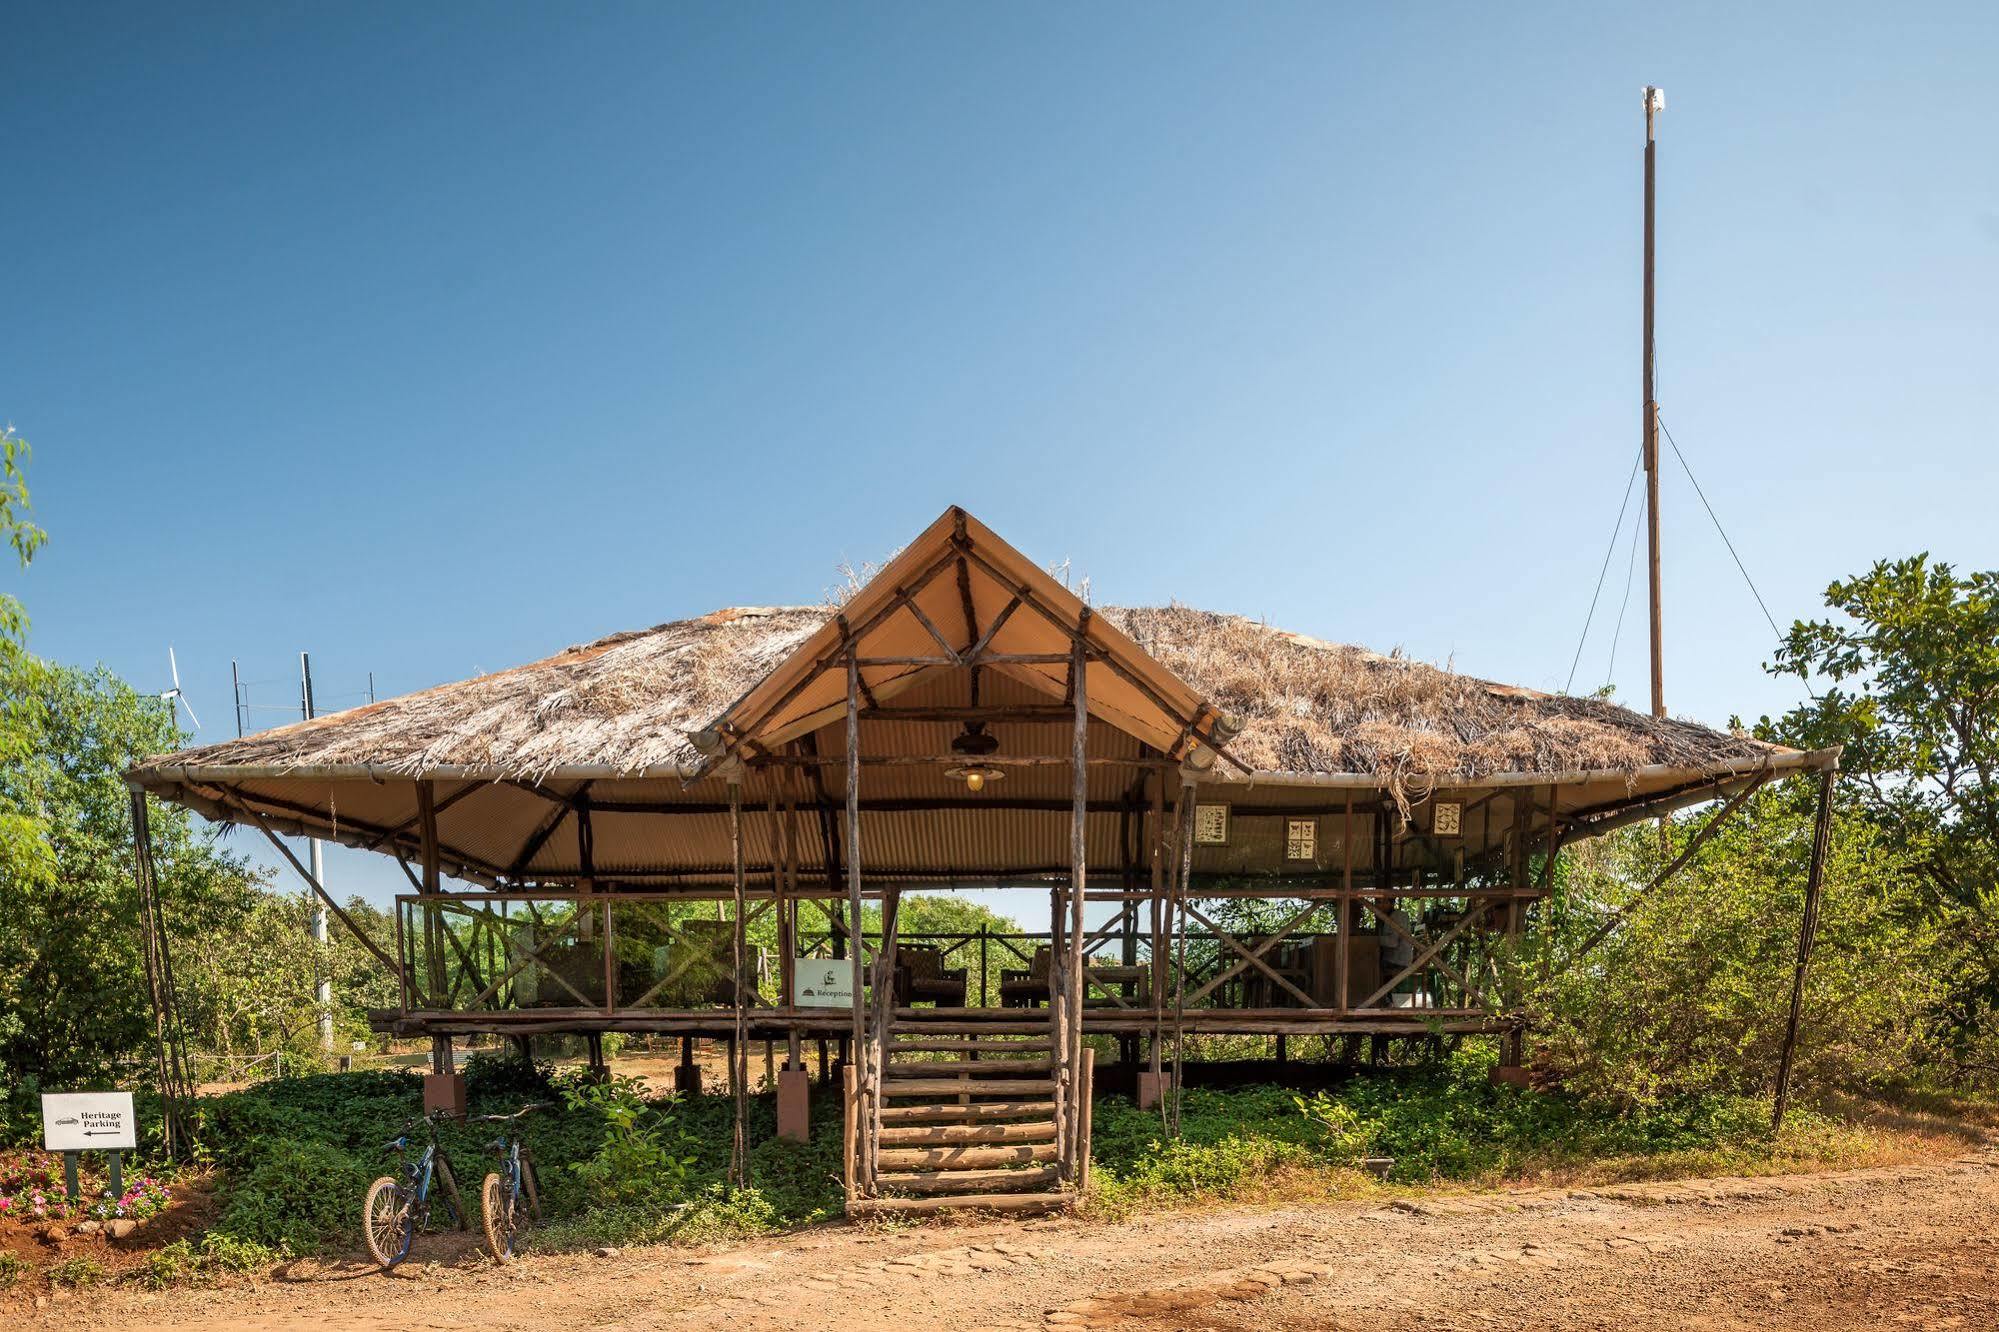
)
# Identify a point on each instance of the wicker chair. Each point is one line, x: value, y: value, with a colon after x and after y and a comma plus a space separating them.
x: 921, y: 977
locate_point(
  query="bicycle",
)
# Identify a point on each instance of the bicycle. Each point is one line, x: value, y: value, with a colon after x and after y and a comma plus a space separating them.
x: 397, y: 1206
x: 501, y: 1195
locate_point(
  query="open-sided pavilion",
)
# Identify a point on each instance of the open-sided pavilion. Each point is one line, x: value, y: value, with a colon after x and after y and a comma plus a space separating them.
x: 618, y: 838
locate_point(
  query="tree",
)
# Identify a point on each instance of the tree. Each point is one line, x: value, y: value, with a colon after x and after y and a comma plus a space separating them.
x: 1912, y: 662
x: 20, y: 850
x: 73, y: 1001
x: 1914, y: 698
x: 251, y: 989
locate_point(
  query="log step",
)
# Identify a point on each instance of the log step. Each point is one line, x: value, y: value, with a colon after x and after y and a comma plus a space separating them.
x: 962, y: 1135
x: 957, y: 1029
x: 974, y: 1025
x: 959, y: 1181
x: 982, y: 1110
x: 1010, y: 1045
x: 934, y: 1068
x: 962, y: 1087
x: 964, y: 1158
x: 991, y: 1202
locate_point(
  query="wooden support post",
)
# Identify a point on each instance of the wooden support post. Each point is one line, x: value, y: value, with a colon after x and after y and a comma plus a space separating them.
x: 1185, y: 823
x: 175, y: 1086
x: 1808, y: 928
x: 1086, y: 1095
x: 739, y: 1045
x: 864, y: 1175
x: 430, y: 885
x: 1078, y: 882
x: 849, y: 1109
x: 1349, y: 916
x: 1156, y: 843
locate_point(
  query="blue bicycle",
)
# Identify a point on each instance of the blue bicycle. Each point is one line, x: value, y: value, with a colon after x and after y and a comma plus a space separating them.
x: 509, y: 1197
x: 397, y: 1206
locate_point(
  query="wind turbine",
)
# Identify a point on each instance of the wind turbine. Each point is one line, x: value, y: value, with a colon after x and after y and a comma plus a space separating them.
x: 175, y: 695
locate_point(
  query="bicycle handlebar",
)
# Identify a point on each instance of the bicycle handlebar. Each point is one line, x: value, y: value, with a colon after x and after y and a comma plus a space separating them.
x: 501, y: 1119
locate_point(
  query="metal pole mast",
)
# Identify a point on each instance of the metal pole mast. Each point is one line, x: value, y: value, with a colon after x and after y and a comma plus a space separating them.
x: 1655, y: 102
x: 323, y: 989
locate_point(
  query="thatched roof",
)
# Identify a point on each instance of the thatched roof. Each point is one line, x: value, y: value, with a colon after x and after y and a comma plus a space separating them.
x: 627, y: 704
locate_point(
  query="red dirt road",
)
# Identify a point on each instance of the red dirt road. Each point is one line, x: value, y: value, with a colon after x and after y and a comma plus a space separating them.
x: 1905, y: 1246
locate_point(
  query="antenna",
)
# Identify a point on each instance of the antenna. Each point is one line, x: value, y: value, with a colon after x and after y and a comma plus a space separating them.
x: 1655, y: 102
x: 174, y: 695
x: 322, y: 990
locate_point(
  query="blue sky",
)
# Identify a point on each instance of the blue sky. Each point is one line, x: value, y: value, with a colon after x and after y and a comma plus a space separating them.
x: 433, y: 339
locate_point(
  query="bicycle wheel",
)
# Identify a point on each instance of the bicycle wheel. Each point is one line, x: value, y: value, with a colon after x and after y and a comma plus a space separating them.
x: 453, y: 1202
x: 387, y: 1222
x: 531, y: 1187
x: 499, y: 1208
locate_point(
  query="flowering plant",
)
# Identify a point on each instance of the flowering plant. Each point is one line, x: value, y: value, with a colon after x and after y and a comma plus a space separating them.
x: 147, y: 1197
x: 31, y: 1188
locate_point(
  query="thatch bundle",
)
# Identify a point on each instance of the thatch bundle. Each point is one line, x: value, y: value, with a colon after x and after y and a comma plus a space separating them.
x: 1308, y: 706
x: 629, y: 702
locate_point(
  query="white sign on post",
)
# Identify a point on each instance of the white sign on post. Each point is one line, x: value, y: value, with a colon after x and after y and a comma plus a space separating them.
x: 88, y: 1122
x: 823, y: 982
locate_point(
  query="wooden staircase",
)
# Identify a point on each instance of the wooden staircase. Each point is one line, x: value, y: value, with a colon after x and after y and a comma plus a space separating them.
x: 967, y: 1115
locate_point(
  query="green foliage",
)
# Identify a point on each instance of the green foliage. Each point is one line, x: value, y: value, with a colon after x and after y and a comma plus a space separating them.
x: 76, y: 1272
x: 502, y: 1074
x: 1690, y: 995
x: 185, y: 1263
x: 643, y: 1155
x: 1440, y: 1125
x: 249, y: 989
x: 22, y: 852
x: 1346, y: 1136
x: 295, y: 1195
x: 12, y: 1268
x: 71, y: 983
x: 1911, y: 671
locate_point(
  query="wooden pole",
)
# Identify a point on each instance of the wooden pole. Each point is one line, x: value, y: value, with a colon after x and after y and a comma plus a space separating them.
x: 1087, y: 1095
x: 786, y: 825
x: 1078, y: 879
x: 847, y: 1100
x: 1808, y: 928
x: 1186, y: 829
x: 739, y: 1051
x: 864, y: 1175
x: 1155, y: 840
x: 1655, y: 101
x: 1349, y: 918
x: 151, y: 949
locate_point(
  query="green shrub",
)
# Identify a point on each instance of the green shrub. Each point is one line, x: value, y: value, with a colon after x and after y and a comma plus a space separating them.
x: 296, y: 1195
x: 175, y: 1264
x: 1347, y: 1135
x: 718, y: 1216
x: 76, y: 1272
x: 12, y: 1268
x: 182, y: 1263
x: 643, y: 1156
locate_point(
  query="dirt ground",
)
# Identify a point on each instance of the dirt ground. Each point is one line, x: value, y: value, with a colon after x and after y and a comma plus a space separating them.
x: 1904, y: 1246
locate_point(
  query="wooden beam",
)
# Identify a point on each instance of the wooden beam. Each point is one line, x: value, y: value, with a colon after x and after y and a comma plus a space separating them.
x: 1808, y: 928
x: 395, y: 969
x: 1679, y: 862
